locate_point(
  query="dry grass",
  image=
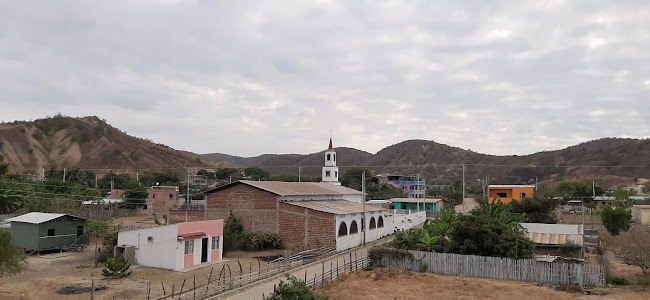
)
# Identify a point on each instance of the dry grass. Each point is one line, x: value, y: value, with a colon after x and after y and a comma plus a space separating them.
x: 399, y: 284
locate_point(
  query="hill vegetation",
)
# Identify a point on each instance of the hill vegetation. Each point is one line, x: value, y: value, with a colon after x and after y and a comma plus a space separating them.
x: 85, y: 143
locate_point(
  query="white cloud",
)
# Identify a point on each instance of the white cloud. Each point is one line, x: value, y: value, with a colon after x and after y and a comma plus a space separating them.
x: 254, y: 77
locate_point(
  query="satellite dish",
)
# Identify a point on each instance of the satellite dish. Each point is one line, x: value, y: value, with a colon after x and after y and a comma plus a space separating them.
x: 157, y: 183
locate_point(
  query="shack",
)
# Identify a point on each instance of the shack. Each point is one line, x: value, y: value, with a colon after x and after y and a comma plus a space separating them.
x: 37, y: 231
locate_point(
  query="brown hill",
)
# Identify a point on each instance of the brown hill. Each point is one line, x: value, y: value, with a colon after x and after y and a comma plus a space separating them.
x: 87, y: 143
x: 608, y: 161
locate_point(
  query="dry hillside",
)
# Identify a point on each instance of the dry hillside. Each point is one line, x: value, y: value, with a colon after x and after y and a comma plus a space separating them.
x: 84, y: 143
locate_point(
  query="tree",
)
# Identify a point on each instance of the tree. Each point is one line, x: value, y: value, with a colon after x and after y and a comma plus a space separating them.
x: 12, y: 260
x: 631, y: 247
x: 497, y: 211
x: 255, y: 173
x: 352, y: 178
x: 574, y: 189
x: 616, y: 220
x: 538, y: 209
x: 228, y: 174
x: 479, y: 235
x: 4, y: 168
x: 97, y: 230
x: 381, y: 191
x: 623, y: 194
x: 135, y: 195
x: 118, y: 181
x: 453, y: 193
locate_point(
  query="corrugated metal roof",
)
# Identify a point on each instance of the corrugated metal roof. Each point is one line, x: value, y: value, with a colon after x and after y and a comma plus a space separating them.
x: 37, y: 217
x: 339, y: 207
x: 642, y: 206
x: 553, y: 234
x: 281, y: 188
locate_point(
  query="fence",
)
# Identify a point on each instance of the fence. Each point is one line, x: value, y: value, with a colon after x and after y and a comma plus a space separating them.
x: 354, y: 264
x: 499, y: 268
x: 226, y: 280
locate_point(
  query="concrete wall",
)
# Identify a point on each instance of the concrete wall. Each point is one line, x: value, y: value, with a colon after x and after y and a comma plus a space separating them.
x: 406, y: 221
x: 160, y: 252
x: 355, y: 239
x: 640, y: 215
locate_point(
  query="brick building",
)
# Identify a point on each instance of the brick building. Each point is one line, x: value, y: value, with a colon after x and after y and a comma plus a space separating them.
x: 161, y: 199
x: 306, y: 215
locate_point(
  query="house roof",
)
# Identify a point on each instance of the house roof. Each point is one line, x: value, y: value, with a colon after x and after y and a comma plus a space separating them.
x: 416, y: 200
x: 38, y: 217
x: 338, y: 207
x: 281, y: 188
x: 642, y: 206
x: 553, y: 234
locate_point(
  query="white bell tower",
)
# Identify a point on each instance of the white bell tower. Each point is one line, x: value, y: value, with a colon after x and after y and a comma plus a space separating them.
x: 330, y: 170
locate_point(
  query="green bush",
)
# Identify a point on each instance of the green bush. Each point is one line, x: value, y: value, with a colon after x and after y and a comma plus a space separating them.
x: 644, y: 282
x: 294, y: 289
x: 116, y: 267
x: 235, y: 239
x: 569, y: 247
x: 617, y: 280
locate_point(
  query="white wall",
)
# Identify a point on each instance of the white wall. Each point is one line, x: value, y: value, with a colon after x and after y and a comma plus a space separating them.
x: 406, y: 221
x: 353, y: 240
x: 160, y: 253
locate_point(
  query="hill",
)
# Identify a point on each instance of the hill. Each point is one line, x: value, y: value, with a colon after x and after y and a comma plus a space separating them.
x: 608, y: 161
x: 289, y: 163
x: 87, y: 143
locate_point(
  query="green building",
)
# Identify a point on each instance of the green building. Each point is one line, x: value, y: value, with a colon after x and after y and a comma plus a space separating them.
x: 416, y: 204
x: 47, y: 231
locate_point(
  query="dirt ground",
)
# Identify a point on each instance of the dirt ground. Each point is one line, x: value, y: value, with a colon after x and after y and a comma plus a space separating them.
x: 399, y: 284
x: 46, y: 275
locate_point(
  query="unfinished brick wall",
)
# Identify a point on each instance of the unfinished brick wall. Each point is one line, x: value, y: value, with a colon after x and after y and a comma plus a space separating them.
x: 161, y: 199
x: 303, y: 228
x: 180, y: 216
x: 256, y: 209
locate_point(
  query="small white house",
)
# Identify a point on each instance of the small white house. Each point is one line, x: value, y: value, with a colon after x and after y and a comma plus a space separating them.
x: 175, y: 247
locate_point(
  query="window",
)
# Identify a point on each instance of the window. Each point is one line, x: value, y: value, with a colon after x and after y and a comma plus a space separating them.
x: 353, y: 227
x: 215, y: 243
x: 502, y: 195
x: 522, y: 195
x: 50, y: 232
x: 372, y: 223
x: 363, y: 224
x: 343, y: 229
x: 189, y: 247
x: 336, y: 174
x: 327, y: 173
x: 328, y: 157
x: 380, y: 222
x: 171, y: 196
x: 150, y: 239
x: 334, y: 157
x: 153, y: 196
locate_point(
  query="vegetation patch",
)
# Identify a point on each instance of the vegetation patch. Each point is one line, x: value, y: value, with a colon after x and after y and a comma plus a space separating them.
x: 294, y: 289
x: 617, y: 280
x: 234, y: 238
x: 77, y: 289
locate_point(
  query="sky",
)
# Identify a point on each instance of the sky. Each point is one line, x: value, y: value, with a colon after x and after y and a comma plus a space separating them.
x: 253, y: 77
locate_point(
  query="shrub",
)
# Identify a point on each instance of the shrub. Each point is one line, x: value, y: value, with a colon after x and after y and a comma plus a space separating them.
x: 569, y: 247
x: 294, y: 289
x: 644, y: 282
x: 116, y: 267
x: 617, y: 280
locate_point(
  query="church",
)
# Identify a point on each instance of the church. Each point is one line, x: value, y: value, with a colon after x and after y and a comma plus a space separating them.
x: 306, y: 215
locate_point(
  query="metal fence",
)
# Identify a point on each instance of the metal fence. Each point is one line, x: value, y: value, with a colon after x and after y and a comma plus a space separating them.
x: 500, y: 268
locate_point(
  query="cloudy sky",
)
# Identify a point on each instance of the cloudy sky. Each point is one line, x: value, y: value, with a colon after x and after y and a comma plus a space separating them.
x: 253, y: 77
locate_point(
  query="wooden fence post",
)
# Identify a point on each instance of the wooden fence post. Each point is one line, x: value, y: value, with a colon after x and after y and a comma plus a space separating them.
x: 163, y: 286
x: 194, y: 290
x: 182, y: 286
x: 92, y: 289
x: 209, y: 278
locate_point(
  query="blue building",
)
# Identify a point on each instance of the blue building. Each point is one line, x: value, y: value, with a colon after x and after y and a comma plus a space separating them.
x: 413, y: 187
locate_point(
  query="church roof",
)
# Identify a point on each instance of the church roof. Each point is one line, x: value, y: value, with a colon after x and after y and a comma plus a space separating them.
x: 330, y: 148
x: 281, y: 188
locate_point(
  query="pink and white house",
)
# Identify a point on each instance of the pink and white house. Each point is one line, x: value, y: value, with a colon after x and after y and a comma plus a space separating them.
x: 176, y: 247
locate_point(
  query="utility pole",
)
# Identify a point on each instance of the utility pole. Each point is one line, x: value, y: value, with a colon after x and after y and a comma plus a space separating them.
x: 64, y: 174
x: 418, y: 193
x: 299, y: 172
x: 363, y: 218
x: 95, y: 180
x: 187, y: 193
x: 463, y: 182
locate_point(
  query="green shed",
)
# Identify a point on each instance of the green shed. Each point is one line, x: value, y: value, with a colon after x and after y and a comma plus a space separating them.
x: 46, y: 231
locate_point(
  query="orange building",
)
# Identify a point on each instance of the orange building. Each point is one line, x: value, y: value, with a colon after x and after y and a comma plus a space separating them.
x: 507, y: 193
